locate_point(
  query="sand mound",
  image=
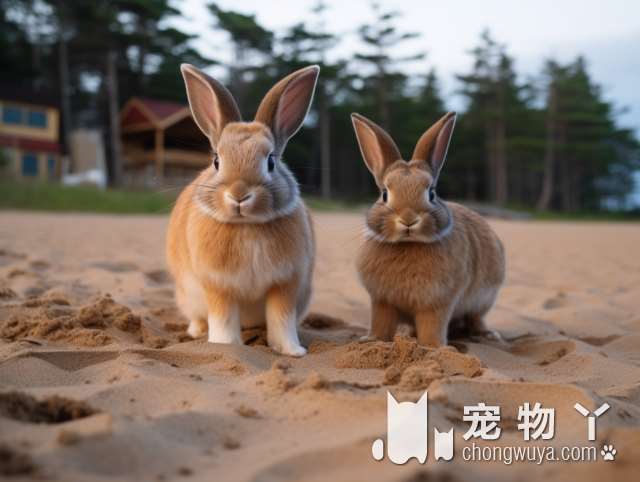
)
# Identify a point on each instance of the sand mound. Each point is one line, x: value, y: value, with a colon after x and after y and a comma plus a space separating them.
x: 377, y: 354
x: 52, y: 318
x: 55, y: 409
x: 278, y: 379
x: 407, y: 364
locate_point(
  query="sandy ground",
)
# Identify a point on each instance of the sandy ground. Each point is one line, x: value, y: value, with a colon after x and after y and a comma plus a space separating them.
x: 99, y: 382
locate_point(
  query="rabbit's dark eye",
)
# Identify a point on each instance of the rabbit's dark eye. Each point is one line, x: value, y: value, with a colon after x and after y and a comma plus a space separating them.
x: 216, y: 162
x: 271, y: 163
x: 432, y: 195
x: 385, y: 195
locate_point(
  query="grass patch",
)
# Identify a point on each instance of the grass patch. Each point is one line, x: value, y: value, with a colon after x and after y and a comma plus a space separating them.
x: 602, y: 216
x: 55, y: 197
x: 37, y: 196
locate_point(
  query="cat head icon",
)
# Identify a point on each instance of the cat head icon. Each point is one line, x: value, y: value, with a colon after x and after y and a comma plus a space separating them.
x: 407, y: 431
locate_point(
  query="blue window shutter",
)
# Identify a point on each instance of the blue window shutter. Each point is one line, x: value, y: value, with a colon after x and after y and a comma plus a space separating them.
x: 12, y: 115
x: 51, y: 166
x: 37, y: 118
x: 29, y: 165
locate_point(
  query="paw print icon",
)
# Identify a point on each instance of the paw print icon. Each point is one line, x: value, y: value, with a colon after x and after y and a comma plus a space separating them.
x: 608, y: 452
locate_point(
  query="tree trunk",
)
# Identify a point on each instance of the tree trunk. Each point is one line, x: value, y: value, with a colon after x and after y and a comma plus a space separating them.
x: 500, y: 147
x: 383, y: 104
x: 501, y: 164
x: 544, y: 200
x: 114, y: 118
x: 236, y: 70
x: 63, y: 71
x: 565, y: 181
x: 491, y: 164
x: 325, y: 146
x: 470, y: 184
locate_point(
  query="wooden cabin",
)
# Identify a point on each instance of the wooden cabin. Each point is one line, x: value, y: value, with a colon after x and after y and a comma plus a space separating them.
x: 29, y: 134
x: 161, y: 143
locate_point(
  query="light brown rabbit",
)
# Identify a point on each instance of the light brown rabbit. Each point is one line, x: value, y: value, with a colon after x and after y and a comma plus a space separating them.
x: 240, y: 242
x: 424, y: 261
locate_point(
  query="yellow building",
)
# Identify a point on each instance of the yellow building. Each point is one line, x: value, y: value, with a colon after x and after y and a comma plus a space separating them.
x: 29, y: 136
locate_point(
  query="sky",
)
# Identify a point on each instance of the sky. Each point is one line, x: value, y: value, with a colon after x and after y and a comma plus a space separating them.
x: 606, y: 33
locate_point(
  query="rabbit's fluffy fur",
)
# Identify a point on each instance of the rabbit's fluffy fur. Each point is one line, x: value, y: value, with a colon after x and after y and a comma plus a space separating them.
x: 240, y: 242
x: 424, y: 261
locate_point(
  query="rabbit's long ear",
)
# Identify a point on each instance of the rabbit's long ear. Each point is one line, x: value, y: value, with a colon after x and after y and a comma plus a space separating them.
x: 376, y: 146
x: 212, y: 105
x: 433, y: 144
x: 286, y: 105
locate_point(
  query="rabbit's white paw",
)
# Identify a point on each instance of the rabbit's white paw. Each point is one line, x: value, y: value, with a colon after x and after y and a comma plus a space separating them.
x: 196, y: 329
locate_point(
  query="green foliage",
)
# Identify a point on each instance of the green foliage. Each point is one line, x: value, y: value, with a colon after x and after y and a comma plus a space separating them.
x: 54, y: 197
x: 38, y: 196
x: 243, y: 29
x: 4, y: 159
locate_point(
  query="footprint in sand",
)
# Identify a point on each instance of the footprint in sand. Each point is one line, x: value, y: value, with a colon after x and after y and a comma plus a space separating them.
x: 558, y: 301
x: 51, y: 410
x: 7, y: 257
x: 544, y: 352
x: 598, y: 341
x: 158, y: 276
x: 13, y: 463
x: 39, y: 265
x: 75, y: 360
x: 116, y: 266
x: 7, y: 294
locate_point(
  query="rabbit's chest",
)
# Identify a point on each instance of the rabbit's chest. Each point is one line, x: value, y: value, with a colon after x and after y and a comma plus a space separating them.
x: 247, y: 265
x: 257, y: 266
x: 407, y: 276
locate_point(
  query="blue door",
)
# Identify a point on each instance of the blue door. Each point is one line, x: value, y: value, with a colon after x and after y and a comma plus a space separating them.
x: 29, y: 165
x: 51, y: 167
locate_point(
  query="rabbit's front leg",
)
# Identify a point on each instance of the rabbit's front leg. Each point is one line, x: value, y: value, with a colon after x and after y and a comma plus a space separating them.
x: 384, y: 321
x: 431, y: 326
x: 223, y: 318
x: 282, y: 321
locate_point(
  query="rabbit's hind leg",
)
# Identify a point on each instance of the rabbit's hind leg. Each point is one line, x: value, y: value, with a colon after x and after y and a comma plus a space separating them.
x: 192, y: 303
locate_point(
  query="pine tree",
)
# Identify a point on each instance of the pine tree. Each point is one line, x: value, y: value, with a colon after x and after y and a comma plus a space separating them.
x: 588, y: 159
x: 493, y: 96
x: 251, y: 44
x: 388, y: 80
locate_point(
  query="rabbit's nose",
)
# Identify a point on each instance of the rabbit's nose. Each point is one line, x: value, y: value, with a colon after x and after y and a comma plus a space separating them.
x: 244, y: 198
x: 238, y: 199
x: 408, y: 224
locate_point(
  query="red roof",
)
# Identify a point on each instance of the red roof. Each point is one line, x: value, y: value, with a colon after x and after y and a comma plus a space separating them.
x: 145, y: 113
x: 134, y: 116
x: 27, y: 144
x: 161, y: 108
